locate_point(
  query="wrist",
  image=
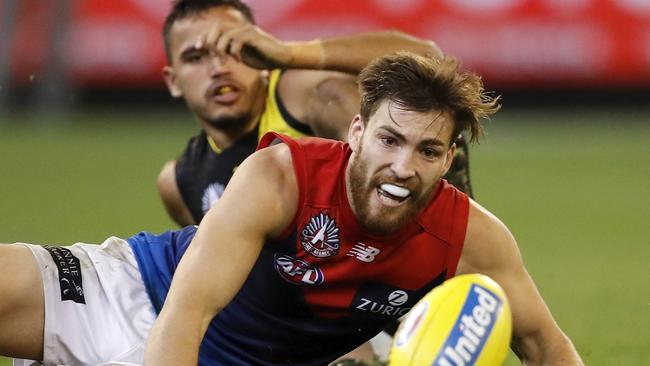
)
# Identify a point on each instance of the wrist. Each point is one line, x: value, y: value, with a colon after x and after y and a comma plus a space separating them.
x: 307, y: 55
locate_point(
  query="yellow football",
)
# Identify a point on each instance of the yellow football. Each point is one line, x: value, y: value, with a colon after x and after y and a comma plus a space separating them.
x: 465, y: 321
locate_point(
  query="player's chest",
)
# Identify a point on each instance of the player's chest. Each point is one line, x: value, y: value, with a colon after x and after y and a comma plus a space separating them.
x: 340, y: 271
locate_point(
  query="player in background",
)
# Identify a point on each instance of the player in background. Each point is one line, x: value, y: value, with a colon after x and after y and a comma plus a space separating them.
x: 240, y: 82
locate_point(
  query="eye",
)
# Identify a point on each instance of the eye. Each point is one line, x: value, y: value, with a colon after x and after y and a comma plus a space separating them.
x: 193, y: 57
x: 430, y: 153
x: 388, y: 141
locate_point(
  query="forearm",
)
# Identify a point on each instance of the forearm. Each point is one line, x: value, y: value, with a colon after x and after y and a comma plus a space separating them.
x: 351, y: 54
x: 558, y: 352
x: 194, y: 298
x: 172, y: 342
x: 190, y: 306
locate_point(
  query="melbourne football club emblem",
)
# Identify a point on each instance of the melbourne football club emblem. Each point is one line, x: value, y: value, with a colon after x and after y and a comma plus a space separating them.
x: 320, y: 237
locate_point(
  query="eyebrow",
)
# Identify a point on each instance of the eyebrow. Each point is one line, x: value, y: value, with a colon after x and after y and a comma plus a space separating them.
x: 401, y: 137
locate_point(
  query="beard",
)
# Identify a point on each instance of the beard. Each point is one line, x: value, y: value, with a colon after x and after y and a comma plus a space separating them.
x: 230, y: 122
x: 386, y: 220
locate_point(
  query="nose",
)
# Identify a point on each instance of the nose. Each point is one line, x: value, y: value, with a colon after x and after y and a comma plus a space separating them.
x: 403, y: 165
x: 217, y: 65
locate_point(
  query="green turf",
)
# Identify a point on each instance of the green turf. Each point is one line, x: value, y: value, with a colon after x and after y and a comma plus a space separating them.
x: 573, y: 186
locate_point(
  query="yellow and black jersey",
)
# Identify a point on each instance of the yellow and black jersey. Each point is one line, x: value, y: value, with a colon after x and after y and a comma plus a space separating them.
x: 203, y: 170
x: 276, y: 117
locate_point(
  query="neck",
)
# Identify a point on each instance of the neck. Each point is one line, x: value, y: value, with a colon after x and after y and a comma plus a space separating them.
x: 224, y: 137
x: 348, y: 191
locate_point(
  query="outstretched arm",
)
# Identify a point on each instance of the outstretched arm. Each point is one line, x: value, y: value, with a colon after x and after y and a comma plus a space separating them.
x: 490, y: 249
x: 352, y: 53
x: 222, y: 254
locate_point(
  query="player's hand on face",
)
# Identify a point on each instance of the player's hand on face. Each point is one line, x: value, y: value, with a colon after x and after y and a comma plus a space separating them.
x: 246, y: 43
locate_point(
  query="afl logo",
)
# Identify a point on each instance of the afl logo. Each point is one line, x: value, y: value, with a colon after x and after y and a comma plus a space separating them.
x: 320, y: 237
x: 298, y: 272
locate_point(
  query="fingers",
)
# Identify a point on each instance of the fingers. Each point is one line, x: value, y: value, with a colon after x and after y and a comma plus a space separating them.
x: 215, y: 34
x: 231, y: 41
x: 235, y: 49
x: 227, y: 39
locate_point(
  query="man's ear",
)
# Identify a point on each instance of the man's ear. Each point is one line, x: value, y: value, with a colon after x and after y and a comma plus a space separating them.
x: 170, y: 79
x: 355, y: 132
x: 449, y: 158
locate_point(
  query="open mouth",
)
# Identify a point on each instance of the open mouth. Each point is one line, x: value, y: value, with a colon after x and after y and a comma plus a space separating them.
x: 224, y: 89
x: 224, y: 93
x: 394, y: 193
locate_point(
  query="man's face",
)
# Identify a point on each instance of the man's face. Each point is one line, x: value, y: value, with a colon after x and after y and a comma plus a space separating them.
x: 397, y: 161
x: 218, y: 89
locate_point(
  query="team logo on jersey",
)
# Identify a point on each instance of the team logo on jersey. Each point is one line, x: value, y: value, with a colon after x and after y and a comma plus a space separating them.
x: 211, y: 195
x: 363, y: 252
x: 320, y: 237
x: 381, y: 299
x: 398, y: 298
x: 298, y: 272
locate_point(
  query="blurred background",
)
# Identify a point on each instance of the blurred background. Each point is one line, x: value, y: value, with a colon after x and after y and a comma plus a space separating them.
x: 86, y: 124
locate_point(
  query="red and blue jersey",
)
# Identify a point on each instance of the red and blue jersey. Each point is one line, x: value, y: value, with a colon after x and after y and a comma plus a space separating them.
x: 325, y: 286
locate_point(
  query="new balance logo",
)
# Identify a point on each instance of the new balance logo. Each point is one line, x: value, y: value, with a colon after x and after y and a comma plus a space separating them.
x: 363, y: 252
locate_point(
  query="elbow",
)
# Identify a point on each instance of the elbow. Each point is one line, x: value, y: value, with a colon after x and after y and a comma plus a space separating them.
x: 420, y: 46
x: 433, y: 49
x: 166, y: 177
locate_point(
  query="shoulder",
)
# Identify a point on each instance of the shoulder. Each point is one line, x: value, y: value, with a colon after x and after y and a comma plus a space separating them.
x: 294, y: 78
x: 488, y: 242
x: 265, y: 182
x: 195, y: 150
x: 271, y: 169
x: 306, y: 148
x: 300, y: 86
x: 275, y: 160
x: 482, y: 221
x: 196, y: 143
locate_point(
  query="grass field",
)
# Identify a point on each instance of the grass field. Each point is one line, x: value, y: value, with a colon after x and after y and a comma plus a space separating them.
x: 573, y: 186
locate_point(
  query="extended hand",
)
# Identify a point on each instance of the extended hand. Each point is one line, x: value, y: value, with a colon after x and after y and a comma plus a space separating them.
x: 246, y: 43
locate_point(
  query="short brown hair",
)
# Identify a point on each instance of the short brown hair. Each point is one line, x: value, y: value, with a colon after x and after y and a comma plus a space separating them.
x: 182, y: 9
x: 423, y: 83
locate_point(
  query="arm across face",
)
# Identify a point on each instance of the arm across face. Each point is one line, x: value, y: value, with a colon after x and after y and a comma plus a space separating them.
x: 318, y: 86
x: 259, y: 202
x: 491, y: 249
x: 250, y: 44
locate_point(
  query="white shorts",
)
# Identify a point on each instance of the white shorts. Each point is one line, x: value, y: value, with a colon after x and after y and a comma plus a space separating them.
x: 97, y: 311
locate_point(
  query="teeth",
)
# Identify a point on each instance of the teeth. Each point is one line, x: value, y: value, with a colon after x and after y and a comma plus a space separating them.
x: 395, y: 190
x: 225, y: 89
